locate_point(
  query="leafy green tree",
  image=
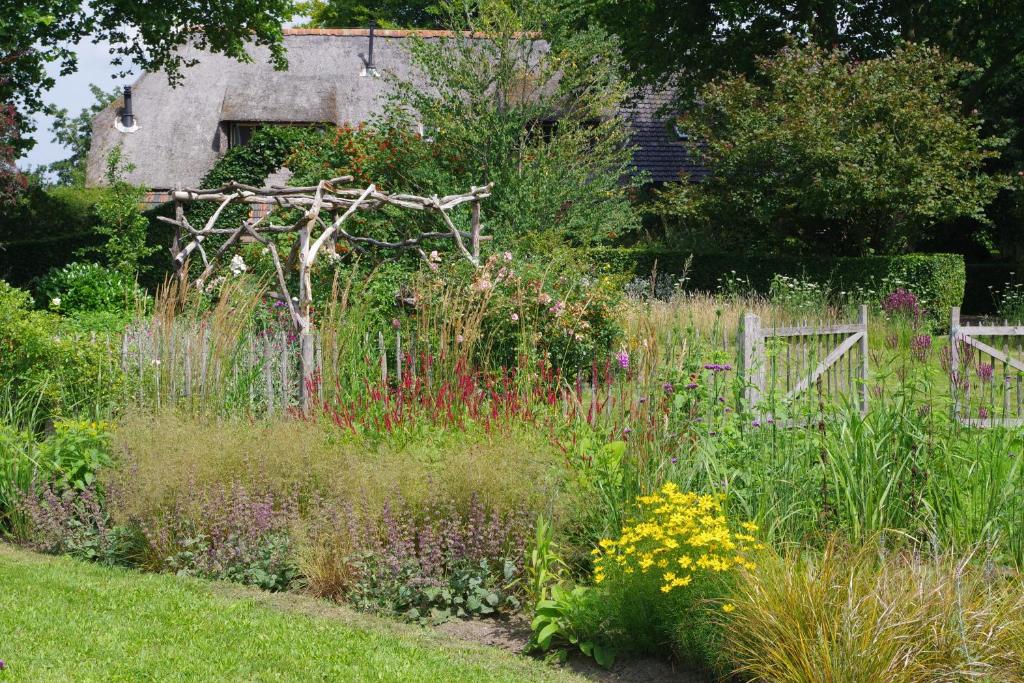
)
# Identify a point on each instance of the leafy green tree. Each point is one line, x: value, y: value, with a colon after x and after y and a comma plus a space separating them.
x: 535, y: 118
x: 120, y: 219
x: 75, y: 133
x: 820, y: 154
x: 387, y: 13
x: 37, y: 33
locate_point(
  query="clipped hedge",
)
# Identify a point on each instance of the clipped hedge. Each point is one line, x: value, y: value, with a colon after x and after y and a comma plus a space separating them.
x: 939, y: 279
x: 46, y: 229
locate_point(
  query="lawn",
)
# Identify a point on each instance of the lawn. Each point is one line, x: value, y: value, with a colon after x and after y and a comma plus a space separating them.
x: 62, y: 619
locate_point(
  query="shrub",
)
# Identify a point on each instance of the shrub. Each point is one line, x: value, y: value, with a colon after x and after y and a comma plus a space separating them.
x: 851, y: 157
x: 44, y: 374
x: 89, y: 288
x: 858, y: 615
x: 517, y: 312
x: 46, y: 229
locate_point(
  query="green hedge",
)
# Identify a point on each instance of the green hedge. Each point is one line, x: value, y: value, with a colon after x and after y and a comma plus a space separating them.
x: 938, y: 278
x: 45, y: 229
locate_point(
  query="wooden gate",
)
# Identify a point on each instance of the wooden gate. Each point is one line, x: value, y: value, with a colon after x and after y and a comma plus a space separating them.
x: 800, y: 370
x: 986, y: 377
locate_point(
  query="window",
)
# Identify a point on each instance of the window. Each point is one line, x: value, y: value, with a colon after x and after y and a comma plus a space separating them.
x: 240, y: 133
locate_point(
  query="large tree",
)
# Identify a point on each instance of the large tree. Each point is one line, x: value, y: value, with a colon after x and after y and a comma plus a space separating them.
x: 818, y: 154
x: 37, y: 33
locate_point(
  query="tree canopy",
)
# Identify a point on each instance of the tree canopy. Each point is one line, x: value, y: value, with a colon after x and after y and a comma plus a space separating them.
x: 37, y: 33
x: 387, y: 13
x: 816, y: 153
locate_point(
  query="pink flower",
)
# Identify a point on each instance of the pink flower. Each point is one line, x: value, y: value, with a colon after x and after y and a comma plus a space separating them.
x: 623, y: 358
x: 543, y: 298
x: 508, y: 255
x: 515, y: 317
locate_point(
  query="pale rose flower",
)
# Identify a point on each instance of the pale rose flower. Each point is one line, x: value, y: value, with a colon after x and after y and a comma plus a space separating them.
x: 508, y: 255
x: 435, y: 257
x: 515, y: 317
x: 544, y: 298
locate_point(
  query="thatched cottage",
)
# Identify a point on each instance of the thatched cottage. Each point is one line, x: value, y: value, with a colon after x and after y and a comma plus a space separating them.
x: 174, y: 136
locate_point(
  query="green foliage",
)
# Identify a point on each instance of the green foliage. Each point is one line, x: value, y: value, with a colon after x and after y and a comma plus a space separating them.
x: 46, y: 374
x: 388, y: 14
x: 818, y: 154
x: 473, y: 590
x: 45, y: 229
x: 121, y: 221
x: 89, y: 288
x: 69, y: 459
x: 566, y: 620
x: 489, y: 104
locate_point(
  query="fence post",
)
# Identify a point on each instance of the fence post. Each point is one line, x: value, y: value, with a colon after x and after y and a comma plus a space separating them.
x: 862, y: 320
x: 750, y: 346
x: 954, y: 359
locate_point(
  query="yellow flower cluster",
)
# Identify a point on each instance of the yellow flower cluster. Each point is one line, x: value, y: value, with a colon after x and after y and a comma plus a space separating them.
x: 681, y: 536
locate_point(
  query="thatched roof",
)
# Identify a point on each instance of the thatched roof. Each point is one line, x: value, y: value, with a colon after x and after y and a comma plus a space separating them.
x: 181, y: 135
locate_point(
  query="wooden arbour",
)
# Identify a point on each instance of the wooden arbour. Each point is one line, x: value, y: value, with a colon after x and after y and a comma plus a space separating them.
x: 314, y: 234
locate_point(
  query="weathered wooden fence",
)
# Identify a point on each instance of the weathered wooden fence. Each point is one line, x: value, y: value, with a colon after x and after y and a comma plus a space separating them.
x: 986, y: 377
x: 802, y: 369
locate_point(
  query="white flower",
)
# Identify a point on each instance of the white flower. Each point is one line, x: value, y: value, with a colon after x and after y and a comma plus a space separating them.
x: 55, y: 302
x: 508, y: 255
x: 237, y: 265
x: 435, y: 257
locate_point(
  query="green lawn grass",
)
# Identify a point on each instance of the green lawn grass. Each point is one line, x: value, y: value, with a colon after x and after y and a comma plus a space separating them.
x: 63, y: 620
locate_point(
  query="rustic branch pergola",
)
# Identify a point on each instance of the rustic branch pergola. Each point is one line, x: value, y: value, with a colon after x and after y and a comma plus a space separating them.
x: 315, y: 234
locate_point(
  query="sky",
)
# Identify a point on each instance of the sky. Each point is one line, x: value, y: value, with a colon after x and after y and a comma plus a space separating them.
x: 72, y: 93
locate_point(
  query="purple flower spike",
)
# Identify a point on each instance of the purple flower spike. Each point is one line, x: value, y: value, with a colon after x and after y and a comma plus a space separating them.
x: 755, y: 423
x: 623, y: 359
x: 675, y: 460
x: 691, y: 385
x: 668, y: 388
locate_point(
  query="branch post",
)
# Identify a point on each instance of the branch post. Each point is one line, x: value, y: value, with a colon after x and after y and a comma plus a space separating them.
x: 339, y: 203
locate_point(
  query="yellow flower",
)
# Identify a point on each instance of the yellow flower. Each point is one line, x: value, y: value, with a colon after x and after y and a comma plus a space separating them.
x: 728, y: 607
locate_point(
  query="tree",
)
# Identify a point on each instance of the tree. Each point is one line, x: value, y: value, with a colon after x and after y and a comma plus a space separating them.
x: 121, y: 221
x: 36, y: 33
x: 75, y: 133
x: 387, y: 13
x: 820, y: 154
x: 535, y: 118
x: 12, y: 181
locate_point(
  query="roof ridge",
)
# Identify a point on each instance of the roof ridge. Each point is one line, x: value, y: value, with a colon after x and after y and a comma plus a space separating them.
x: 390, y: 32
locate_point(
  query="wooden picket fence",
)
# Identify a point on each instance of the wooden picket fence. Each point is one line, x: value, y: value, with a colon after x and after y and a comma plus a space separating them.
x: 801, y: 370
x: 986, y: 377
